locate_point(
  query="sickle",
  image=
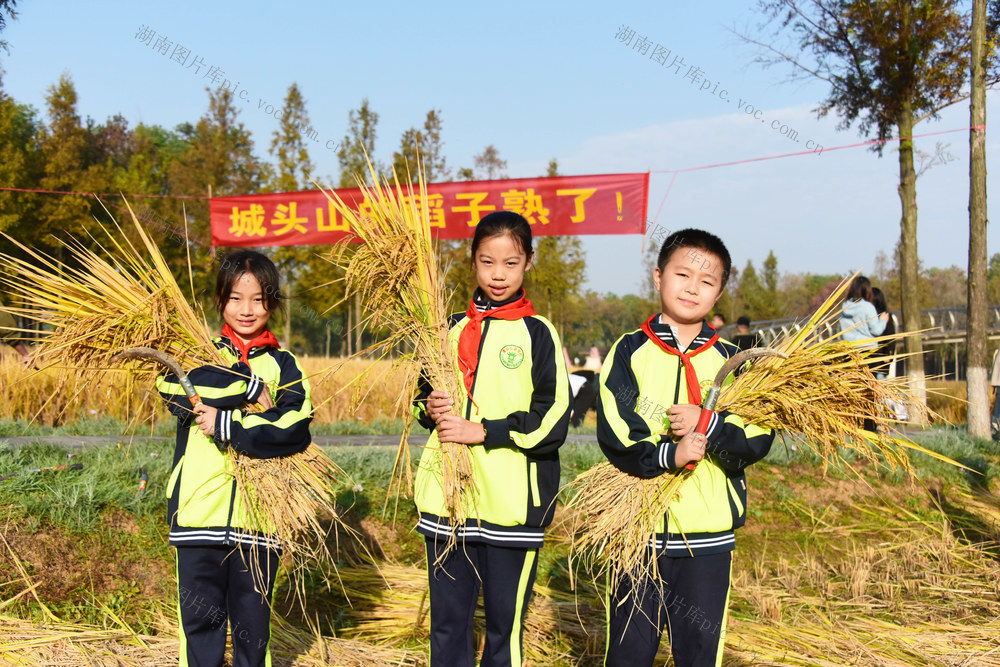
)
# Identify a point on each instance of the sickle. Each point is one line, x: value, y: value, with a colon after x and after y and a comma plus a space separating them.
x: 731, y: 365
x: 163, y: 359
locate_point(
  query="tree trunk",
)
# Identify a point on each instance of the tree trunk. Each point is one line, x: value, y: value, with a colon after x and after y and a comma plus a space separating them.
x: 977, y: 385
x: 909, y: 263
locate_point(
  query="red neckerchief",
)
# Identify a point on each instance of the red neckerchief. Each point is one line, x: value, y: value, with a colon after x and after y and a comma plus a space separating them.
x: 265, y: 339
x: 694, y: 389
x: 472, y: 334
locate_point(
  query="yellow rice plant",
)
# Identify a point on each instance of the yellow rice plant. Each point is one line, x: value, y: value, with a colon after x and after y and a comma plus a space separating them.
x: 122, y: 295
x: 355, y: 389
x: 54, y: 395
x: 396, y: 273
x: 824, y: 390
x: 389, y: 607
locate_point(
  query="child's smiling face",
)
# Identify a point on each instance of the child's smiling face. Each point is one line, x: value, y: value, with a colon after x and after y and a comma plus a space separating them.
x: 244, y: 311
x: 500, y: 264
x: 689, y: 285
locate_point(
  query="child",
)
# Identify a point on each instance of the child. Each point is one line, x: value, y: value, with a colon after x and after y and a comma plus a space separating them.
x: 207, y: 520
x: 514, y: 423
x: 669, y: 361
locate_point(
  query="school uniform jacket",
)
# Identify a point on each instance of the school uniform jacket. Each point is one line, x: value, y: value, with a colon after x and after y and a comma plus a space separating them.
x: 639, y: 382
x: 203, y: 503
x: 521, y: 394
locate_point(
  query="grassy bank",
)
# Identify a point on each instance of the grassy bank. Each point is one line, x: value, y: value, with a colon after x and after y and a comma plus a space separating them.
x: 842, y: 568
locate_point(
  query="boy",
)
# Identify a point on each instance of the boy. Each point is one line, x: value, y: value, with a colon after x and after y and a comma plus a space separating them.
x: 668, y: 362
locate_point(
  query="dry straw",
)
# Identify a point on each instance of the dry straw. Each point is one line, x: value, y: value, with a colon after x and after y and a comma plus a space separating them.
x: 120, y: 295
x: 824, y: 390
x: 396, y: 273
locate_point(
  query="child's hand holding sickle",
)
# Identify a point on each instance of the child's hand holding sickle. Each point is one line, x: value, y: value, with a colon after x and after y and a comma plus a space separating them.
x: 204, y: 414
x: 690, y: 422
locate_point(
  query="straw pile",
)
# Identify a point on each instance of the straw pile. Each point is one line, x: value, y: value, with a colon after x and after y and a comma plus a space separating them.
x: 118, y: 296
x: 73, y: 644
x: 824, y: 391
x: 390, y: 608
x: 401, y: 286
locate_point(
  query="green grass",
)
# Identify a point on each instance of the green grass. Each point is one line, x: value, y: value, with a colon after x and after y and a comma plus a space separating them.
x: 77, y: 499
x: 86, y: 506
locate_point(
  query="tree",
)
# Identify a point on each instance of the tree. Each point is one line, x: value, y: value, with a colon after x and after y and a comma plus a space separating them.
x: 294, y: 169
x: 993, y: 279
x: 359, y: 142
x: 890, y: 64
x: 773, y: 307
x: 488, y: 166
x: 356, y: 149
x: 432, y: 149
x: 218, y: 157
x: 64, y: 147
x: 288, y: 144
x: 752, y: 294
x: 6, y: 7
x: 426, y: 144
x: 489, y: 163
x: 976, y: 381
x: 20, y: 167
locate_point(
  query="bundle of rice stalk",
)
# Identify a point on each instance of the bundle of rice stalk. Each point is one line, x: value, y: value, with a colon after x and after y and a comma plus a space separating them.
x: 824, y: 390
x: 396, y: 273
x: 119, y: 296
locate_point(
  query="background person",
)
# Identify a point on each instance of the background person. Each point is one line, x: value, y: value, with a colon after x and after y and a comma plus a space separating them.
x: 859, y: 319
x: 744, y: 339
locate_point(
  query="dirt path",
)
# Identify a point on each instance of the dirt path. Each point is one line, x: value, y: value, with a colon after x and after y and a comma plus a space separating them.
x: 83, y: 441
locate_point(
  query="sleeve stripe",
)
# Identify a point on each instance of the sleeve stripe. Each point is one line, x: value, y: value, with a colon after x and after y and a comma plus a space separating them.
x: 252, y: 387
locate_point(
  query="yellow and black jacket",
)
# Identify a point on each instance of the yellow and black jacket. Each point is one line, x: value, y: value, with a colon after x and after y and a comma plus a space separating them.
x: 203, y: 506
x: 521, y: 394
x: 639, y: 383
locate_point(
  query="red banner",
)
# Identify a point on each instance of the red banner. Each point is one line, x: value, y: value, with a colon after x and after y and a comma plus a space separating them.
x: 555, y: 206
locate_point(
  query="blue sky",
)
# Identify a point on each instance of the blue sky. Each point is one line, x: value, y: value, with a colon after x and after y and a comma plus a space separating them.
x: 537, y: 80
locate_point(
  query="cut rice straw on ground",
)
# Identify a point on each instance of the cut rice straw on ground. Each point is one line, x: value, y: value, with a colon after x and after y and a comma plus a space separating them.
x: 824, y: 390
x: 123, y: 295
x: 74, y: 644
x: 396, y: 273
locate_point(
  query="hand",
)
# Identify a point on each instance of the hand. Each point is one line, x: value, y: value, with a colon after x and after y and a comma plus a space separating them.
x: 884, y: 316
x: 683, y: 418
x: 204, y: 417
x: 690, y: 449
x: 452, y: 428
x: 264, y: 400
x: 438, y: 404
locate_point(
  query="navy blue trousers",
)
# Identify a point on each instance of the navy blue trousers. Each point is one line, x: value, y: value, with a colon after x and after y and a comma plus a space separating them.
x: 214, y: 586
x: 690, y: 600
x: 505, y: 575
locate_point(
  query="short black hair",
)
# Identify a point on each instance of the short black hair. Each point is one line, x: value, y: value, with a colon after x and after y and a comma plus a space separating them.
x: 860, y: 289
x: 720, y: 316
x: 503, y: 222
x: 257, y: 264
x: 744, y: 320
x: 697, y: 239
x: 878, y: 300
